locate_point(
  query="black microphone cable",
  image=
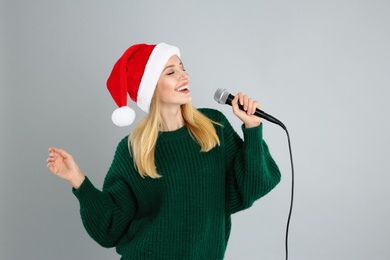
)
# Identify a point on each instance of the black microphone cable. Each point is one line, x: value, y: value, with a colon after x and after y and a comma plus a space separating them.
x: 222, y: 96
x: 292, y: 193
x: 275, y: 121
x: 292, y: 182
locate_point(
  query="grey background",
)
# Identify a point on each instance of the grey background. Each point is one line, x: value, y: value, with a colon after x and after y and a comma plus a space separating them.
x: 322, y: 67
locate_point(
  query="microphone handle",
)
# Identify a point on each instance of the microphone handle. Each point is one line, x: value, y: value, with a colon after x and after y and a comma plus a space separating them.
x: 258, y: 113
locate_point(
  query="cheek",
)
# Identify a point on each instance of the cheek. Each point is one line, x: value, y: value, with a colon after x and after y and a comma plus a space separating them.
x: 164, y: 91
x: 166, y: 85
x: 162, y: 88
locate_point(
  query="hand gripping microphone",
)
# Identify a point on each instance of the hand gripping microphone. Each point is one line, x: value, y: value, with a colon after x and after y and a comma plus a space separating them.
x: 222, y: 96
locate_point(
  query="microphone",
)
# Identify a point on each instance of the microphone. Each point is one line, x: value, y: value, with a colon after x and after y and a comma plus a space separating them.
x: 222, y: 96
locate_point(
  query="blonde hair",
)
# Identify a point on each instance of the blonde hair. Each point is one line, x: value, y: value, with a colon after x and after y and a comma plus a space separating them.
x: 142, y: 140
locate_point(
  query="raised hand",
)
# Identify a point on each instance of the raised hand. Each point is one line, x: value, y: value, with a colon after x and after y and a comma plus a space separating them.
x: 64, y: 166
x: 247, y: 116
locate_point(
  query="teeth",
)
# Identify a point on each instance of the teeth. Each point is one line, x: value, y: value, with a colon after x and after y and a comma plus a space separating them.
x: 182, y: 88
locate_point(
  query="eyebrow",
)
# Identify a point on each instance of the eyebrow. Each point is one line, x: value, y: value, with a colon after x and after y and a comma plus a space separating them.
x: 173, y: 65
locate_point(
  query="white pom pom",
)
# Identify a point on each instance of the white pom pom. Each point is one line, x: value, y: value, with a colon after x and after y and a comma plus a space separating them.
x: 123, y: 116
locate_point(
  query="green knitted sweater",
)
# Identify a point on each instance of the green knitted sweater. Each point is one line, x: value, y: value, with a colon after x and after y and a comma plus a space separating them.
x: 185, y: 214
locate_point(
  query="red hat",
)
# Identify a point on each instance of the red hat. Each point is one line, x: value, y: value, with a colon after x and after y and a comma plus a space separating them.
x: 137, y: 73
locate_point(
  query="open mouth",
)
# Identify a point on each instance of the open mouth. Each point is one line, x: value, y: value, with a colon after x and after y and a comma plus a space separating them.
x: 183, y: 89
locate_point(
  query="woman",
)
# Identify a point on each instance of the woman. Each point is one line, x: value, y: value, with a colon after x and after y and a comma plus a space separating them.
x: 177, y: 178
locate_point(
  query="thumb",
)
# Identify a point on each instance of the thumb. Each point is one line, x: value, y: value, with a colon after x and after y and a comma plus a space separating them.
x: 59, y: 151
x: 235, y: 103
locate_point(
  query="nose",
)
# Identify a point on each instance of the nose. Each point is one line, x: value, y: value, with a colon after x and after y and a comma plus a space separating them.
x: 183, y: 75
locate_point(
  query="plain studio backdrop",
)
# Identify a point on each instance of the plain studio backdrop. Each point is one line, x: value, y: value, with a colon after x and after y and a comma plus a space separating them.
x: 321, y: 67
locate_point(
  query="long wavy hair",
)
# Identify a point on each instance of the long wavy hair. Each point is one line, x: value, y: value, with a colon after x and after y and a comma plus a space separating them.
x: 143, y: 138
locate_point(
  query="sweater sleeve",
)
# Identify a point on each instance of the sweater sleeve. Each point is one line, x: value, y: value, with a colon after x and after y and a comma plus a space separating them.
x: 251, y: 170
x: 106, y: 214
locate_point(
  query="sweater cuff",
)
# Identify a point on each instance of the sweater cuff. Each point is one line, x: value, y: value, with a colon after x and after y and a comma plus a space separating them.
x: 253, y: 133
x: 86, y: 190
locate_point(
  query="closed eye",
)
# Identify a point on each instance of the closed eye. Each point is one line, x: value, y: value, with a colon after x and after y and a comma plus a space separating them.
x: 173, y: 67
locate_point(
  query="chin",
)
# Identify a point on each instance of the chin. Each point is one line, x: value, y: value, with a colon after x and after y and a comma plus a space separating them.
x: 187, y: 102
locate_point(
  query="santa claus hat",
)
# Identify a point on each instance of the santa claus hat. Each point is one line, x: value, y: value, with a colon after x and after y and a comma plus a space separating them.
x: 136, y: 73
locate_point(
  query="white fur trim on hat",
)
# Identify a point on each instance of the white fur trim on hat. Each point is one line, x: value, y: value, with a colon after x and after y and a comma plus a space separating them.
x: 155, y: 65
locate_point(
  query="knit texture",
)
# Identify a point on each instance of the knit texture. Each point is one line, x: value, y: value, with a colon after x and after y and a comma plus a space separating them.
x: 185, y: 214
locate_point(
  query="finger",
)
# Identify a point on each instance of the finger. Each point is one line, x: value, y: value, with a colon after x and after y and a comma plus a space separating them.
x: 52, y: 152
x: 235, y: 100
x: 51, y: 159
x: 240, y: 98
x: 244, y: 101
x: 61, y: 152
x: 253, y: 106
x: 235, y: 103
x: 249, y: 106
x: 51, y: 167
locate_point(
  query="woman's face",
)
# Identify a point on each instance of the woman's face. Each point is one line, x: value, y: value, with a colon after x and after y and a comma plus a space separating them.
x: 173, y: 84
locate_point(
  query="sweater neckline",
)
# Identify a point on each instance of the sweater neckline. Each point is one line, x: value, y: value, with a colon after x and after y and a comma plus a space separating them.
x: 170, y: 135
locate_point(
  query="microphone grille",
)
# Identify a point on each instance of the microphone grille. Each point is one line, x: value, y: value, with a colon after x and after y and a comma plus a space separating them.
x: 221, y: 95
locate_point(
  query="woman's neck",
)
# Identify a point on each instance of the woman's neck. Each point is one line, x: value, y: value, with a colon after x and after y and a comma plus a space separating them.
x: 172, y: 119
